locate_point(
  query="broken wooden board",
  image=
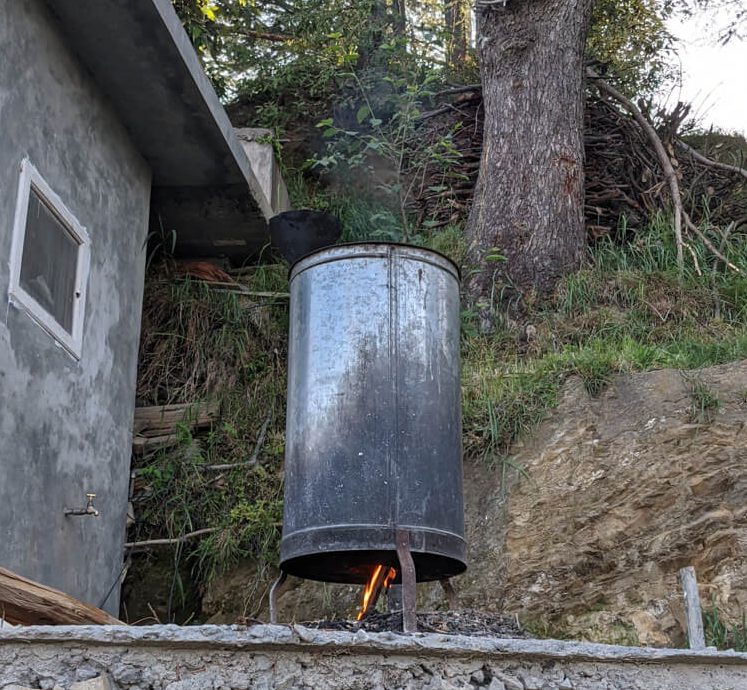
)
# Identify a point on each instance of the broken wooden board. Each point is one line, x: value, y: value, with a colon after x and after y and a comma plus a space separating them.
x: 162, y: 420
x: 25, y: 602
x: 143, y: 445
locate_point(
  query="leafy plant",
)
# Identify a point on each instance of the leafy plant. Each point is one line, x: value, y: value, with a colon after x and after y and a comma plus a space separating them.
x: 381, y: 144
x: 200, y: 344
x: 160, y: 243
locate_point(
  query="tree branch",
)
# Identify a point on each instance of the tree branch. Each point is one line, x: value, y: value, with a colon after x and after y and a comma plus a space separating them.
x: 264, y: 35
x: 709, y: 244
x: 175, y: 540
x: 709, y: 162
x: 661, y: 152
x: 451, y: 91
x: 255, y: 454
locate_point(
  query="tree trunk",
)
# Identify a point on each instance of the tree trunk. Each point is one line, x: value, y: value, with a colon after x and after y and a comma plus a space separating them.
x: 529, y: 198
x: 372, y: 38
x: 457, y: 21
x: 399, y: 10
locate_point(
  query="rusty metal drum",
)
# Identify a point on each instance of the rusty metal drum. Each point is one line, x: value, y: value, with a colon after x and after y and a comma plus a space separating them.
x: 373, y: 432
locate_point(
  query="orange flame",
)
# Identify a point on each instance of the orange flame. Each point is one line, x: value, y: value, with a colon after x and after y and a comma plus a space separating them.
x: 381, y: 578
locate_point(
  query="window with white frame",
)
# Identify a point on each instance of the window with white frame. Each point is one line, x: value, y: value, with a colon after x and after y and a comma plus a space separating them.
x: 49, y: 261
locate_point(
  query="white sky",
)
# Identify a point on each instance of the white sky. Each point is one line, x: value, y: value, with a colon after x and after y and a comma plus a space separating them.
x: 714, y: 77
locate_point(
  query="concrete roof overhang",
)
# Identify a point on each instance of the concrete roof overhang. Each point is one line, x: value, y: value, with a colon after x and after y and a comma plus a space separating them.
x: 143, y: 61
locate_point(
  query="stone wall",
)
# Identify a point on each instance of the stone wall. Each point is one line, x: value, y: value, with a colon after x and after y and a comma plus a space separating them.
x: 267, y: 657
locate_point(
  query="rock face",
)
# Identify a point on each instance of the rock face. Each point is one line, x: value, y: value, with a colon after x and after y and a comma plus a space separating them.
x: 616, y: 494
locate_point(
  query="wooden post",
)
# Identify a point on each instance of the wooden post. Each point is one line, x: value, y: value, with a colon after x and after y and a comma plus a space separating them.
x: 693, y: 614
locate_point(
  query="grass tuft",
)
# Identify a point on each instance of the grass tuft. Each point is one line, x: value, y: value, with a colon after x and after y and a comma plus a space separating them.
x: 705, y: 403
x: 719, y: 634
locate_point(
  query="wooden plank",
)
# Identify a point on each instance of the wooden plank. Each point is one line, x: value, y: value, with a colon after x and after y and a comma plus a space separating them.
x: 141, y: 445
x: 25, y: 602
x: 161, y: 420
x: 693, y: 614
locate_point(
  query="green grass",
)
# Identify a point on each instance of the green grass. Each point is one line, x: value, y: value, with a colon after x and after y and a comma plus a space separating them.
x: 704, y: 402
x: 370, y: 220
x: 720, y: 634
x: 361, y: 218
x: 628, y: 310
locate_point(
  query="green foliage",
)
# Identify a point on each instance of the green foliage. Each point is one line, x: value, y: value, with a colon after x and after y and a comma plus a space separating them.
x: 291, y: 59
x: 203, y: 344
x: 704, y: 403
x: 629, y: 39
x: 160, y: 243
x: 365, y: 219
x: 382, y: 143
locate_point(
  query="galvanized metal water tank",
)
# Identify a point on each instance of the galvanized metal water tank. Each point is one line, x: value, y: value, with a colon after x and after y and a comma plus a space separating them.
x: 373, y: 437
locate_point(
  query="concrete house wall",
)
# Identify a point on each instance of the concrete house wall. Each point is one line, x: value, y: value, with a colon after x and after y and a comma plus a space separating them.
x: 65, y: 425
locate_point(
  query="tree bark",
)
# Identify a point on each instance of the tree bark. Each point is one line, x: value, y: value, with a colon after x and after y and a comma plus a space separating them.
x: 529, y: 198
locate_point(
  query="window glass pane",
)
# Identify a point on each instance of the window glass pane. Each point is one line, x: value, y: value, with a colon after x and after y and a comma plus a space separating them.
x: 49, y: 261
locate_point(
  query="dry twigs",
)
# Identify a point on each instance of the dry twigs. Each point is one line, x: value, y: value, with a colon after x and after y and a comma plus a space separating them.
x: 631, y: 171
x: 711, y: 163
x: 166, y: 542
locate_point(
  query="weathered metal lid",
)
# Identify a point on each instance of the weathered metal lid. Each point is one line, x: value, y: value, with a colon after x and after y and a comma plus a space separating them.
x: 350, y: 250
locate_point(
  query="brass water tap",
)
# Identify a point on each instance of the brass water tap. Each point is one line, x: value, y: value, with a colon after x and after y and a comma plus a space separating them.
x: 88, y: 510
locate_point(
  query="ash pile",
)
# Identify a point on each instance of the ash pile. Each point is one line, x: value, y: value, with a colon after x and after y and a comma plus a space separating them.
x: 462, y: 622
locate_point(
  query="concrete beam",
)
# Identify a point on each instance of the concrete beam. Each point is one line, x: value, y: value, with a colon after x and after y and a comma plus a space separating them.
x: 266, y: 656
x: 204, y: 183
x: 261, y: 154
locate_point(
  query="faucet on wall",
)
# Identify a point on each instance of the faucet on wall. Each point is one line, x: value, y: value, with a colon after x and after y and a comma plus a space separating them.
x: 88, y: 510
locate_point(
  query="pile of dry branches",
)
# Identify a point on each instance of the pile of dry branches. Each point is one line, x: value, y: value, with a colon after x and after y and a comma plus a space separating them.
x: 636, y: 164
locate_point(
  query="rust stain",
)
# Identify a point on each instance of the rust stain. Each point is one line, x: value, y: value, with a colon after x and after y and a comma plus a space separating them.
x: 570, y: 179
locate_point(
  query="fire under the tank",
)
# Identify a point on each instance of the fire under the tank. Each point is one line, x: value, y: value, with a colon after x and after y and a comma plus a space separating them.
x: 380, y: 581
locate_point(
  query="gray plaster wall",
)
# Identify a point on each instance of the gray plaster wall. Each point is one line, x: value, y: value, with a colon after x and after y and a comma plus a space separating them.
x: 65, y: 425
x: 267, y: 657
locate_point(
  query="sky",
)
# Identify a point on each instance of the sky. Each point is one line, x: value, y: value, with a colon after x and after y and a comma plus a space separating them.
x: 714, y: 77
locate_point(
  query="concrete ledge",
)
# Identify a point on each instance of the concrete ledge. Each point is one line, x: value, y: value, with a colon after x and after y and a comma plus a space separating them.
x: 204, y: 185
x: 259, y: 150
x: 275, y: 656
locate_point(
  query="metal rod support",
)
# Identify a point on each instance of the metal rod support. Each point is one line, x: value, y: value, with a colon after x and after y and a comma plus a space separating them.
x: 273, y: 596
x: 407, y: 572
